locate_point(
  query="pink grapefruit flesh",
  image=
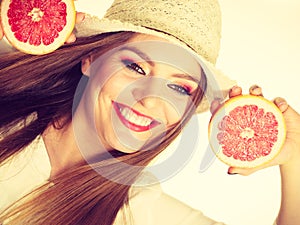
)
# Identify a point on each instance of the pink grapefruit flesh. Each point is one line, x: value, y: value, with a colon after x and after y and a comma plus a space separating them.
x: 247, y: 131
x: 37, y: 26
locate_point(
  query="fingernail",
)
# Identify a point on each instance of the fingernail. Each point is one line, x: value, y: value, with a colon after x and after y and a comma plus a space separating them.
x: 231, y: 173
x: 256, y: 90
x: 280, y: 101
x: 80, y: 16
x: 281, y: 104
x: 255, y: 87
x: 234, y: 88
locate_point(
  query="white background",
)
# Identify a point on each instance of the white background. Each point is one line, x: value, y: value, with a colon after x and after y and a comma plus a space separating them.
x: 260, y: 45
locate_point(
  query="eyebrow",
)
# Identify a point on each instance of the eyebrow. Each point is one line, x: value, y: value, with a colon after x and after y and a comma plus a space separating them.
x: 187, y: 77
x: 145, y: 57
x: 141, y: 54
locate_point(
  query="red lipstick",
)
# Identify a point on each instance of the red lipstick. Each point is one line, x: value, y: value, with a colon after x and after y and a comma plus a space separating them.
x: 133, y: 119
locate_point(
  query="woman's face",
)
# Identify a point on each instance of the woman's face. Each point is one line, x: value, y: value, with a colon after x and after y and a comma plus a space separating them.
x: 139, y: 91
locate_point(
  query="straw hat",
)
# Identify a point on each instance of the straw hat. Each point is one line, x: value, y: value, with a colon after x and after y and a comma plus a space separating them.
x: 192, y: 24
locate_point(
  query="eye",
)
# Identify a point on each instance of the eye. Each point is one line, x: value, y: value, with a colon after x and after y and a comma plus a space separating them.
x: 180, y: 89
x: 131, y: 65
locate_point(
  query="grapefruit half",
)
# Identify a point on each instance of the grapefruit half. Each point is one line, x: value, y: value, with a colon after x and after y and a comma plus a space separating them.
x: 37, y: 26
x: 247, y: 131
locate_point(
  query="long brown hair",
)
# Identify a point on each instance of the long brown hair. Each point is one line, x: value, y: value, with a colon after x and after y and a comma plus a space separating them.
x: 35, y: 92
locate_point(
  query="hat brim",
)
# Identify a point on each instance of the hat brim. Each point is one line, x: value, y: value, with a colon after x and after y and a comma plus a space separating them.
x: 218, y: 84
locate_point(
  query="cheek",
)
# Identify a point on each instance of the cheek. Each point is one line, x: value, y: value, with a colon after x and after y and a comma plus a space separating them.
x: 113, y: 77
x: 109, y: 75
x: 173, y: 116
x: 175, y: 108
x: 114, y: 86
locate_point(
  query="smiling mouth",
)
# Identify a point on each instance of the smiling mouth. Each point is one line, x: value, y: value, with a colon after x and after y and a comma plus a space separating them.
x: 134, y: 120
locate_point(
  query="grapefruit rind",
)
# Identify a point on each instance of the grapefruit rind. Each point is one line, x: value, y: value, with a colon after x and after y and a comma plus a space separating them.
x: 41, y: 49
x: 232, y: 103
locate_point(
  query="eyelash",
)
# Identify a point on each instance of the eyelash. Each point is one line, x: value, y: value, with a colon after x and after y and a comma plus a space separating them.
x: 131, y: 65
x: 180, y: 89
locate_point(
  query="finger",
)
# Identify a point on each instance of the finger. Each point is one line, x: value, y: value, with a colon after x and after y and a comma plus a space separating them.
x: 1, y: 31
x: 71, y: 38
x: 242, y: 171
x: 215, y: 105
x: 79, y: 17
x: 281, y: 104
x: 235, y: 91
x: 255, y: 90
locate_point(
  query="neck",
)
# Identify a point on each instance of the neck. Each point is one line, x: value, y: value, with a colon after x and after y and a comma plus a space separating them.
x: 62, y: 149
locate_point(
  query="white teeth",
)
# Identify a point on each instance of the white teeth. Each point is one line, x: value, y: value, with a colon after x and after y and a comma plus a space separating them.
x: 134, y: 118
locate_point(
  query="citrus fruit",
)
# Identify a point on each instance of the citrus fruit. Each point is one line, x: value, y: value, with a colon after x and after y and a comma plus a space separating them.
x: 247, y: 131
x: 37, y: 26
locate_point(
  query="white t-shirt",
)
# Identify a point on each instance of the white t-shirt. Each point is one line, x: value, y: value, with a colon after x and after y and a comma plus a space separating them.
x: 148, y: 205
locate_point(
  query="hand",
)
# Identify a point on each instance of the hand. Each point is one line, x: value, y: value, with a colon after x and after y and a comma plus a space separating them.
x: 79, y: 19
x: 290, y: 152
x: 72, y: 37
x: 1, y: 31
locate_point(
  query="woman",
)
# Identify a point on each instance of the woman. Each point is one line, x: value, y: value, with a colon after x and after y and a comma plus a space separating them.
x: 99, y: 130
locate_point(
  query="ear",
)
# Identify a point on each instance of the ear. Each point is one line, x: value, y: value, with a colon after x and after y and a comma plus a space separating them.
x: 85, y: 65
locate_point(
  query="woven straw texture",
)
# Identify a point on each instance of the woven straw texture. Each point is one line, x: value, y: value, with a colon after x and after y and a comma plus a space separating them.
x: 193, y: 24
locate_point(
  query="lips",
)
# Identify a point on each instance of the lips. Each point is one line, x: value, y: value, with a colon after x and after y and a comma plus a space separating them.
x: 132, y: 119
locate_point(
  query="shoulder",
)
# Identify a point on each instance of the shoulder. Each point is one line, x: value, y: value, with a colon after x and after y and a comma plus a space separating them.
x: 24, y: 172
x: 149, y: 205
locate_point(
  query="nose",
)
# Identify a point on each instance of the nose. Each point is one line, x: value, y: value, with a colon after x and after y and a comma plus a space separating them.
x: 150, y: 93
x: 151, y: 102
x: 148, y: 96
